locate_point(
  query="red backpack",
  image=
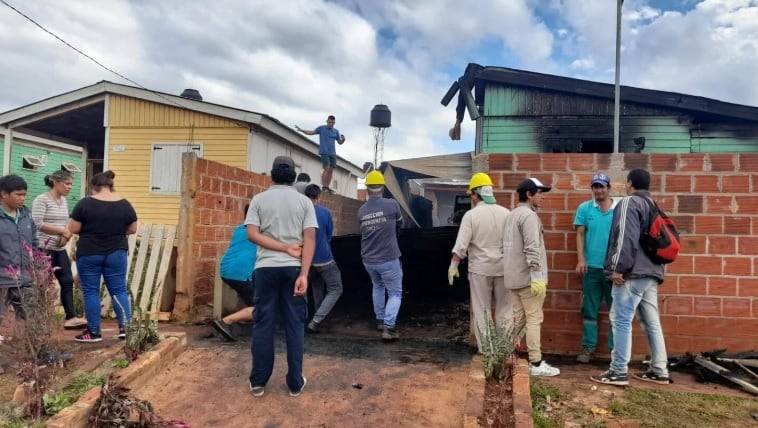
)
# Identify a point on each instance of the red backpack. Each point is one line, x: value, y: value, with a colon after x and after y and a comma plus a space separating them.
x: 660, y: 241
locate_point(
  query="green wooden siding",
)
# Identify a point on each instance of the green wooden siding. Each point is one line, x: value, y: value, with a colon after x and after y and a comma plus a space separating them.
x: 510, y: 135
x: 723, y: 145
x: 35, y: 178
x: 515, y: 101
x: 528, y: 120
x: 531, y: 134
x: 722, y: 138
x: 663, y: 134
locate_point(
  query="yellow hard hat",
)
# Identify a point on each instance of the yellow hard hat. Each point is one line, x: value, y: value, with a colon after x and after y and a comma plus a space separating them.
x: 478, y: 180
x: 374, y: 178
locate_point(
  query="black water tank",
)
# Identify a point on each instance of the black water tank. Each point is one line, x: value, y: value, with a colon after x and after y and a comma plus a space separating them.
x: 381, y: 116
x: 192, y: 94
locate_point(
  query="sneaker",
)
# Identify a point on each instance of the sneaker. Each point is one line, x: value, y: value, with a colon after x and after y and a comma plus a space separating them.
x: 585, y: 356
x: 224, y: 329
x: 312, y: 327
x: 88, y: 337
x: 611, y: 378
x: 390, y: 334
x: 257, y: 391
x: 379, y: 325
x: 74, y: 323
x: 649, y: 376
x: 300, y: 391
x: 121, y: 333
x: 543, y: 369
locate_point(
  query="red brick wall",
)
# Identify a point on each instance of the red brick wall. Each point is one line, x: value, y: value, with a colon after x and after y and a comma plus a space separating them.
x: 213, y: 198
x: 710, y: 296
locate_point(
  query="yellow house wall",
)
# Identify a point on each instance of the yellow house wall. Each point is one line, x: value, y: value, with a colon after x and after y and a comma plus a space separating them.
x: 136, y: 125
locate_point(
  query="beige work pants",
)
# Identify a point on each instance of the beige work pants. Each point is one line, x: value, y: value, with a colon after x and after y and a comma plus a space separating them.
x: 527, y: 310
x: 486, y: 290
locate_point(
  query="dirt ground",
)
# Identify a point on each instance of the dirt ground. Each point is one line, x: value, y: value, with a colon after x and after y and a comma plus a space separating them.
x: 354, y: 379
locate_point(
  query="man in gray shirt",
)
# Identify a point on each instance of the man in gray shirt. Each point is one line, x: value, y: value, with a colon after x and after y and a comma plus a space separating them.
x: 380, y: 218
x: 282, y: 222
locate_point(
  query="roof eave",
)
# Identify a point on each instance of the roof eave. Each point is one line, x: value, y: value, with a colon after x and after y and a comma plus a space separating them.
x: 606, y: 90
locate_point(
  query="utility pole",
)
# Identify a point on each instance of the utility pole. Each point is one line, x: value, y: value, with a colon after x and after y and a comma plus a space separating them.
x: 617, y: 93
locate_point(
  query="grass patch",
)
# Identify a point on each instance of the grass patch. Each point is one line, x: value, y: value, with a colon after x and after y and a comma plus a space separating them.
x: 120, y: 363
x: 542, y: 398
x: 655, y: 408
x: 71, y: 392
x: 10, y: 418
x: 554, y: 407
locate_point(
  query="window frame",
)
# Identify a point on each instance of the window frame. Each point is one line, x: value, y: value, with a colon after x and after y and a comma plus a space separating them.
x: 153, y: 189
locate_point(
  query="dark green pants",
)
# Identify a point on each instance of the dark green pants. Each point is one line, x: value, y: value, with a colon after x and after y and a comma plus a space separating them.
x: 595, y: 287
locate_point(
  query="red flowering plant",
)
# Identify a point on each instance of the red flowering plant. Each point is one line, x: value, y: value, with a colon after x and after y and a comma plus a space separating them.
x: 32, y: 346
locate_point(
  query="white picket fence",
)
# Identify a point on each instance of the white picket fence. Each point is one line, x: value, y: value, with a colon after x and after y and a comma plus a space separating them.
x: 153, y: 244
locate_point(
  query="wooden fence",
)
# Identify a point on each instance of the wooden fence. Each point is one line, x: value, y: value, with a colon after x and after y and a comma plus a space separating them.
x: 153, y: 245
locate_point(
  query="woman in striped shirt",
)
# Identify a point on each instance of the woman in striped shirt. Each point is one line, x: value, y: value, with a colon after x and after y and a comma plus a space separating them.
x: 50, y: 213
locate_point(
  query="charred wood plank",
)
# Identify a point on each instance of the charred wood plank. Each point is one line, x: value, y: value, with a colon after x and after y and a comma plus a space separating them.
x: 726, y: 374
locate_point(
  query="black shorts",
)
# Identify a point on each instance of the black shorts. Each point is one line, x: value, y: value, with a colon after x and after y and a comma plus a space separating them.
x: 245, y: 289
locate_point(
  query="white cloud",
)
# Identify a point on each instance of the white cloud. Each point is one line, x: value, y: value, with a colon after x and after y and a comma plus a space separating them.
x: 583, y: 64
x: 709, y: 51
x: 300, y: 60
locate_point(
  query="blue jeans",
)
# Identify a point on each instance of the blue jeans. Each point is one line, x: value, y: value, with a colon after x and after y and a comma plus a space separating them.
x: 330, y: 276
x: 638, y: 295
x: 387, y: 278
x: 112, y: 268
x: 274, y: 299
x: 596, y: 287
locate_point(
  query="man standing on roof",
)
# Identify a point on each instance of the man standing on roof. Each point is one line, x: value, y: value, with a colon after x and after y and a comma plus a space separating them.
x: 525, y: 266
x: 592, y: 223
x: 327, y: 135
x: 480, y: 238
x: 380, y: 218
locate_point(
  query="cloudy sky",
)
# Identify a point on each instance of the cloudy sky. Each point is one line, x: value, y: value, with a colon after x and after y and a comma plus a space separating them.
x: 300, y: 60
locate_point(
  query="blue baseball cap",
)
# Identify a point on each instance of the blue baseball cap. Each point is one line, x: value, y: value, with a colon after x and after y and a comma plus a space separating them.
x: 600, y: 178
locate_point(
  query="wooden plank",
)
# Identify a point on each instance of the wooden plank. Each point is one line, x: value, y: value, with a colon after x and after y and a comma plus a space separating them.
x: 185, y: 269
x: 132, y: 243
x: 106, y: 303
x: 168, y: 248
x: 71, y: 251
x: 148, y: 284
x: 139, y: 267
x: 218, y: 291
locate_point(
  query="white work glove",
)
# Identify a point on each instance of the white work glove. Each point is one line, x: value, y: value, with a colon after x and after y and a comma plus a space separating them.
x: 539, y: 285
x: 452, y: 272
